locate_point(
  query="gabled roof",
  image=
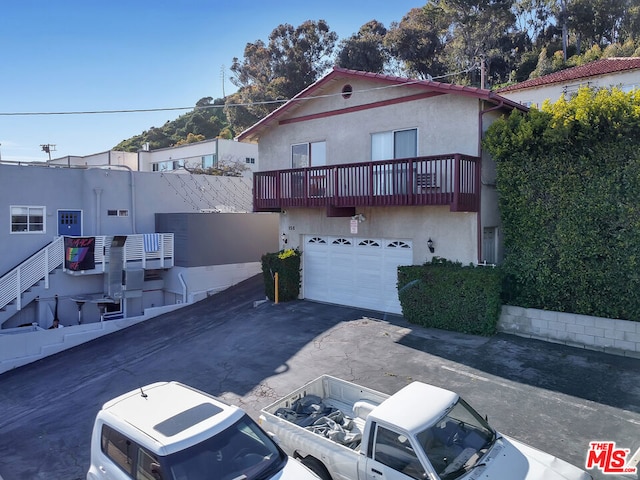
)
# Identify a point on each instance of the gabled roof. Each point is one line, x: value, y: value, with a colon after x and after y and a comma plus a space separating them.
x: 603, y: 66
x: 315, y: 89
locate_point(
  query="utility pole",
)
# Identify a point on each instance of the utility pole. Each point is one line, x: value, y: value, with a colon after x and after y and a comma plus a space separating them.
x: 222, y: 76
x: 565, y: 29
x: 48, y: 148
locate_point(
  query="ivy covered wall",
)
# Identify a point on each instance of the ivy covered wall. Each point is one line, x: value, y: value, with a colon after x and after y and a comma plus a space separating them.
x: 568, y: 179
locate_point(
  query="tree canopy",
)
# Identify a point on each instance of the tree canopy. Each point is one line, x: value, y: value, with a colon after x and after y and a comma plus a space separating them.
x: 459, y: 41
x: 294, y: 58
x: 206, y: 121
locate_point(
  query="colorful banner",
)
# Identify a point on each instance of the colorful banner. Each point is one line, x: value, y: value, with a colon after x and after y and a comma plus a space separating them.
x: 79, y: 253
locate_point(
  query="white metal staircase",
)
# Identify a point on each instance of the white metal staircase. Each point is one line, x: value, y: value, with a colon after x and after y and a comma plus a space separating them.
x: 15, y: 285
x: 35, y: 269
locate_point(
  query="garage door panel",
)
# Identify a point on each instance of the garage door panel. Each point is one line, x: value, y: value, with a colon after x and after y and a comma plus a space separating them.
x: 355, y: 271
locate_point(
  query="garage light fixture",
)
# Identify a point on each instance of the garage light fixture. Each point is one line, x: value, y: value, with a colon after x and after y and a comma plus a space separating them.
x: 284, y: 238
x: 430, y: 245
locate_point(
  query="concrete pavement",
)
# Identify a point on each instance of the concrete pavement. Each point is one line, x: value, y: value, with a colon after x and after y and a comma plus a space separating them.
x: 554, y: 397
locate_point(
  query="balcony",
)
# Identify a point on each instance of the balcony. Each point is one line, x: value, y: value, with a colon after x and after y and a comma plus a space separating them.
x: 452, y: 180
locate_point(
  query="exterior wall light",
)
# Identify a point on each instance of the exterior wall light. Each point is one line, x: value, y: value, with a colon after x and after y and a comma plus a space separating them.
x: 430, y: 245
x: 284, y: 238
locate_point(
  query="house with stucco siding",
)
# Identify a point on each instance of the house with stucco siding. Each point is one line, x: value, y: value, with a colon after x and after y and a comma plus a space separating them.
x: 619, y: 72
x: 370, y: 171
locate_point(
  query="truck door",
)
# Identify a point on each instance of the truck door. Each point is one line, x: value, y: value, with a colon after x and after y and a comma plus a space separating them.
x: 392, y: 457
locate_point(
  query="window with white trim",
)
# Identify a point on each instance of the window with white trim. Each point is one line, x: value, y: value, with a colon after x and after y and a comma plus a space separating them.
x: 305, y: 155
x: 392, y: 179
x: 27, y: 219
x: 118, y: 213
x: 394, y: 144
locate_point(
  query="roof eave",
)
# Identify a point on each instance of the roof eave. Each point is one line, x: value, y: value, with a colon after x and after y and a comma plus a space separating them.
x: 253, y: 132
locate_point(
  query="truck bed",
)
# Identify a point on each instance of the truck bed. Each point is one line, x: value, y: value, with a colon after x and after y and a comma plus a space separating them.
x: 354, y: 401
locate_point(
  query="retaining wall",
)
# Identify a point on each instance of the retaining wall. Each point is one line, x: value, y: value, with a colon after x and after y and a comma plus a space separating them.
x: 20, y: 349
x: 620, y: 337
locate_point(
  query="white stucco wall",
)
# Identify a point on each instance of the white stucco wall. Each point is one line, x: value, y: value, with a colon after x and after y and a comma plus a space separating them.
x: 445, y: 124
x: 95, y: 191
x: 454, y: 235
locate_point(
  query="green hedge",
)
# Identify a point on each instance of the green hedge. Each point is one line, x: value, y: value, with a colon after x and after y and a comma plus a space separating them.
x: 446, y: 295
x: 568, y: 179
x: 287, y: 264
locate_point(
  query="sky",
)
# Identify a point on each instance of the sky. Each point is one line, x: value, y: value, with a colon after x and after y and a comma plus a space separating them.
x: 67, y: 56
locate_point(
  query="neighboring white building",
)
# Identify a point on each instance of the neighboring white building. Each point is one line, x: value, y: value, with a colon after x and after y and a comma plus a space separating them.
x: 110, y: 158
x: 372, y: 171
x: 623, y: 73
x: 87, y: 244
x: 205, y: 154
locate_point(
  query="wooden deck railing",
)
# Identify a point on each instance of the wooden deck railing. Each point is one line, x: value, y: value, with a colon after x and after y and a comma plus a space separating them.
x: 452, y: 180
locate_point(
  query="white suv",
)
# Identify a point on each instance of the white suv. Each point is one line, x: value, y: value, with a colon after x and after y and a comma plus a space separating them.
x: 169, y: 431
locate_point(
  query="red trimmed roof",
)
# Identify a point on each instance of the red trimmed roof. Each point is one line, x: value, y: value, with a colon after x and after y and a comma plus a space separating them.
x: 603, y: 66
x: 343, y: 73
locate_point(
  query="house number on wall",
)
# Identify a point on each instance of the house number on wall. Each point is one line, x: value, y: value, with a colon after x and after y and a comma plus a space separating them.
x: 292, y: 227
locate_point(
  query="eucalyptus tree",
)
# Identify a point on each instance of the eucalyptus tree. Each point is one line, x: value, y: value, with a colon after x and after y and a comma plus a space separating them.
x: 418, y: 40
x: 365, y: 50
x: 271, y: 73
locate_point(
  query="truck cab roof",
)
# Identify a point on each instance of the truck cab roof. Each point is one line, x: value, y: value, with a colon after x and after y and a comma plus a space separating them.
x: 414, y: 406
x: 170, y: 415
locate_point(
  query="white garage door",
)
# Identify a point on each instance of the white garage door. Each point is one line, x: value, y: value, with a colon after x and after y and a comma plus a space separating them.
x: 353, y: 271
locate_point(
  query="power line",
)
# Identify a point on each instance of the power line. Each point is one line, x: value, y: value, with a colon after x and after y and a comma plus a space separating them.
x: 136, y: 110
x: 405, y: 83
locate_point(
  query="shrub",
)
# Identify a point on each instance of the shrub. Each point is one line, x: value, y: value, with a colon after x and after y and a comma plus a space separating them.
x: 568, y: 179
x: 287, y: 264
x: 446, y: 295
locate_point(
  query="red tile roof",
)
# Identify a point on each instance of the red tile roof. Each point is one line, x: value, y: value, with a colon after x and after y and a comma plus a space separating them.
x: 343, y: 73
x: 603, y: 66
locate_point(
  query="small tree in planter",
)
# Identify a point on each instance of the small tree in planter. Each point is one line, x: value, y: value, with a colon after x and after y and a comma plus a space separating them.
x: 287, y: 264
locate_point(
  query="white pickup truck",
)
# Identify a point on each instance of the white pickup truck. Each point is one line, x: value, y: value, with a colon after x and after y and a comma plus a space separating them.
x: 169, y: 431
x: 343, y: 431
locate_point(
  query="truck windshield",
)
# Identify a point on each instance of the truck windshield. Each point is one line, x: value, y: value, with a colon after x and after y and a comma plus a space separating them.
x: 457, y: 441
x: 241, y: 452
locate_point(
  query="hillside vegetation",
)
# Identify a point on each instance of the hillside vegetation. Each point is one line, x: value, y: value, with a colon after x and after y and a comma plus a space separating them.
x: 445, y: 40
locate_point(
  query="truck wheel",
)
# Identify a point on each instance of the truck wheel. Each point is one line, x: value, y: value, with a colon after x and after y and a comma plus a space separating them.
x: 317, y: 467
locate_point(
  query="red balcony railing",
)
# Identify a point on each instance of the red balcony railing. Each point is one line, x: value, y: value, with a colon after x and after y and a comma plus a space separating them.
x: 452, y: 180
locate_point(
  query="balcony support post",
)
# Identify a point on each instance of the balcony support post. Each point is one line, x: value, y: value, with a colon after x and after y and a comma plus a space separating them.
x: 455, y: 206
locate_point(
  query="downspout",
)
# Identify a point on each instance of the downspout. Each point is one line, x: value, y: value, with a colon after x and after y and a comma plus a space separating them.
x: 184, y: 288
x: 98, y: 192
x: 478, y: 217
x: 132, y: 186
x: 133, y: 199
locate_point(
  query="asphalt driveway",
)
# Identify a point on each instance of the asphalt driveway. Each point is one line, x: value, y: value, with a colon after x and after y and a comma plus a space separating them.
x: 554, y: 397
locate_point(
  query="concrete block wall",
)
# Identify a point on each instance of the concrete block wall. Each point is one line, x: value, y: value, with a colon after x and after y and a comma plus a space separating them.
x: 620, y: 337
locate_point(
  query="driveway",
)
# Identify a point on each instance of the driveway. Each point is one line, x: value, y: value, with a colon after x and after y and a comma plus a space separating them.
x: 554, y: 397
